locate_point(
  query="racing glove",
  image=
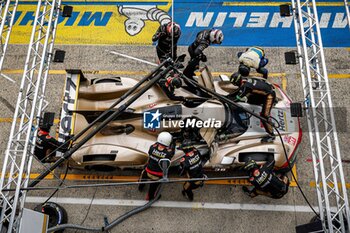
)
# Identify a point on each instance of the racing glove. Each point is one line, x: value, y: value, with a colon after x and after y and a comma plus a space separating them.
x: 157, y: 36
x: 203, y: 58
x: 242, y: 99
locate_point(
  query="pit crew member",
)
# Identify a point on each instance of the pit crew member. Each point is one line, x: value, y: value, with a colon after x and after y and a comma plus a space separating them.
x: 167, y: 36
x: 191, y: 165
x: 265, y: 181
x: 163, y: 148
x: 253, y: 57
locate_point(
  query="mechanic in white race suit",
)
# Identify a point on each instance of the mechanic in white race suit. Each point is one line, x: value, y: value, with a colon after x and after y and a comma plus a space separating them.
x: 253, y: 57
x: 265, y: 181
x: 163, y: 148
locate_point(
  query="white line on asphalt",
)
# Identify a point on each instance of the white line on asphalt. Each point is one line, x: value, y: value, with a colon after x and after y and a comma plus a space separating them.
x: 176, y: 204
x: 133, y: 58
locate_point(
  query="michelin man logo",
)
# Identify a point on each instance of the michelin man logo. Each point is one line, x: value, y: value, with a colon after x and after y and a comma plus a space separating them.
x: 138, y: 14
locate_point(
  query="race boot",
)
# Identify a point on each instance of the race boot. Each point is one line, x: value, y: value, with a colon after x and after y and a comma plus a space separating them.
x: 189, y: 194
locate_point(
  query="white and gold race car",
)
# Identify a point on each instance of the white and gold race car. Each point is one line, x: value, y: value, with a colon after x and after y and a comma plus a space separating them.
x: 225, y: 134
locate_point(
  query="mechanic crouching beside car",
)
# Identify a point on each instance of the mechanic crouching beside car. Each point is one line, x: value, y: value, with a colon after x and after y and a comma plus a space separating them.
x: 163, y: 148
x: 253, y: 57
x: 265, y: 181
x: 191, y: 165
x: 169, y: 85
x: 45, y: 145
x: 262, y: 91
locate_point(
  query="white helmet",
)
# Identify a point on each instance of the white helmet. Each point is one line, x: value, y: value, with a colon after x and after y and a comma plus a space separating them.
x: 216, y: 36
x: 165, y: 138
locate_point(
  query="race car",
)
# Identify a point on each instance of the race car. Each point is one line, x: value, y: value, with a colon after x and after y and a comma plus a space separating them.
x: 226, y: 135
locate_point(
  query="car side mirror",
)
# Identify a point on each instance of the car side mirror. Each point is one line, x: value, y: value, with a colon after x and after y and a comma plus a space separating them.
x: 224, y: 77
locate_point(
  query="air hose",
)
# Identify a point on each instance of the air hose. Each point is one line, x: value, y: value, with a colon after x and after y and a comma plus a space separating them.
x: 115, y: 222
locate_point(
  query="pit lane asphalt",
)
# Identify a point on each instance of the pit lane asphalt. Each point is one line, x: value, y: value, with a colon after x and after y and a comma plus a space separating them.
x: 163, y: 219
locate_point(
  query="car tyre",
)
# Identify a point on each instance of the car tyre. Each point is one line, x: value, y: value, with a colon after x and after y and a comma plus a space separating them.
x: 57, y: 214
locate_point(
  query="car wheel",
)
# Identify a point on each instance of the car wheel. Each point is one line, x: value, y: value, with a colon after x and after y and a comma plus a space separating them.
x: 57, y: 214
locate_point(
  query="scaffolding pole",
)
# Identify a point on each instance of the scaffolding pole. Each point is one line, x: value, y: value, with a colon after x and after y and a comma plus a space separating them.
x: 30, y: 103
x: 8, y: 11
x: 346, y: 4
x: 327, y: 163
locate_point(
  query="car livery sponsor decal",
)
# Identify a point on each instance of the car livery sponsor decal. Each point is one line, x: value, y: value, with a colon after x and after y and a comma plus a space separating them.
x: 290, y: 140
x: 281, y: 117
x: 152, y: 105
x: 68, y: 105
x: 129, y: 22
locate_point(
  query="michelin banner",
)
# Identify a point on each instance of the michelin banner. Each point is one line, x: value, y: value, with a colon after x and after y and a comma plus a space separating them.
x: 244, y: 23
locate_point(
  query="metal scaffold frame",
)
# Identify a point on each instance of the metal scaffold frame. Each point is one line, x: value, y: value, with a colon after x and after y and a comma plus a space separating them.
x: 328, y: 171
x: 8, y: 11
x: 30, y: 103
x: 347, y: 11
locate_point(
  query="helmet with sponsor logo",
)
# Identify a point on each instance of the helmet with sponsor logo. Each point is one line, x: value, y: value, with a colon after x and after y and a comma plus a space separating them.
x: 216, y: 36
x: 174, y: 81
x: 258, y: 49
x: 165, y: 138
x: 250, y: 164
x: 173, y: 29
x: 236, y: 78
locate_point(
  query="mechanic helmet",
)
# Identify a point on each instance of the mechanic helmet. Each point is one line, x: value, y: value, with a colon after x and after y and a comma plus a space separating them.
x: 236, y: 78
x: 244, y: 70
x: 172, y: 27
x: 187, y: 145
x: 165, y: 138
x: 261, y: 49
x: 47, y: 121
x: 216, y: 36
x: 174, y: 81
x: 250, y: 164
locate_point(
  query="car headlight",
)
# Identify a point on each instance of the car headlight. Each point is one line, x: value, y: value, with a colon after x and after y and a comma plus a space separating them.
x: 227, y: 160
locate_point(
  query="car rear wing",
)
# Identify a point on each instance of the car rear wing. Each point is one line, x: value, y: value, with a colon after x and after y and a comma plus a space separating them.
x: 69, y: 103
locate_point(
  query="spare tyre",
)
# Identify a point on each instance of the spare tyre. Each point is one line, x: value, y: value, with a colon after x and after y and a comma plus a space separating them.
x: 57, y: 214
